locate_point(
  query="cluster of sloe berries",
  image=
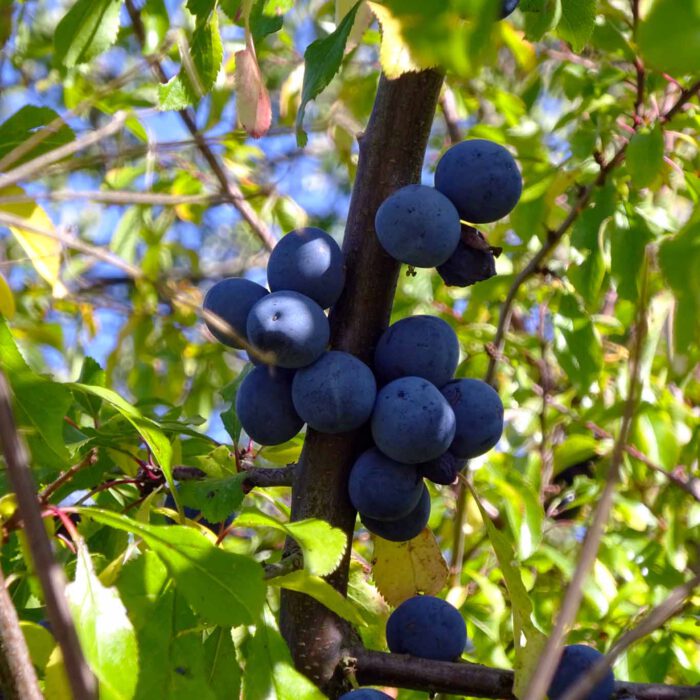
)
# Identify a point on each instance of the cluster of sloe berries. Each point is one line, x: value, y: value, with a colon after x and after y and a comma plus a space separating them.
x: 424, y: 422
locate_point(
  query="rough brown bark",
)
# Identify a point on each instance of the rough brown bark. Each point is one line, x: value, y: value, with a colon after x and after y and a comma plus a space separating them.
x: 474, y: 680
x: 392, y: 150
x: 17, y: 675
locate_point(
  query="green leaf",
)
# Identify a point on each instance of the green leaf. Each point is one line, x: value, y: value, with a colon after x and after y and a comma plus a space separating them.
x: 527, y: 651
x: 40, y: 404
x: 679, y: 257
x: 156, y: 24
x: 106, y: 634
x: 645, y: 156
x: 314, y: 586
x: 269, y: 671
x: 222, y: 671
x: 89, y: 28
x: 323, y: 546
x: 262, y: 23
x: 28, y: 121
x: 322, y: 60
x: 669, y: 37
x: 224, y: 588
x: 148, y: 429
x: 577, y: 22
x: 286, y: 453
x: 201, y: 8
x: 176, y: 667
x: 541, y: 16
x: 91, y: 373
x: 140, y: 583
x: 217, y: 499
x: 40, y: 643
x: 199, y: 70
x: 577, y: 344
x: 575, y: 449
x: 588, y: 277
x: 627, y: 257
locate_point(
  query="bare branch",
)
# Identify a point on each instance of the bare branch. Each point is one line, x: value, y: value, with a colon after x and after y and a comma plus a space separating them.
x: 656, y: 618
x: 690, y: 485
x: 546, y: 666
x: 37, y: 165
x: 262, y: 477
x: 18, y: 679
x: 50, y: 574
x: 229, y: 190
x: 473, y: 680
x: 117, y: 197
x: 449, y: 113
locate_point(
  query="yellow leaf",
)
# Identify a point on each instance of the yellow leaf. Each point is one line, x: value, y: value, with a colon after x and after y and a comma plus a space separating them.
x: 404, y: 569
x: 56, y: 684
x: 523, y: 51
x: 362, y: 20
x: 394, y: 55
x: 43, y: 251
x: 7, y: 300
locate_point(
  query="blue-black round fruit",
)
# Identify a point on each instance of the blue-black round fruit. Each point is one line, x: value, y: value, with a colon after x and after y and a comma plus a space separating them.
x: 336, y: 393
x: 288, y: 329
x: 481, y: 179
x: 412, y: 421
x: 443, y: 469
x: 417, y: 225
x: 365, y: 694
x: 479, y: 416
x: 382, y: 488
x: 467, y: 265
x: 310, y: 262
x: 265, y: 408
x: 402, y: 529
x: 417, y: 346
x: 231, y: 300
x: 508, y: 7
x: 427, y: 627
x: 576, y: 661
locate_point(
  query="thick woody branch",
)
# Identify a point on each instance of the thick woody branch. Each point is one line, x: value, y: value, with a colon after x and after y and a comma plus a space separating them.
x: 17, y: 676
x: 392, y: 150
x: 50, y: 574
x: 473, y: 680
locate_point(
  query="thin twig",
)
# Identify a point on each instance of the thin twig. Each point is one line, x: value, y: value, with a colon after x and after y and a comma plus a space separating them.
x: 655, y: 619
x: 50, y: 574
x: 229, y: 190
x: 87, y: 461
x: 18, y: 679
x: 40, y: 163
x: 547, y: 663
x: 449, y: 113
x: 554, y: 237
x: 691, y: 485
x: 117, y: 197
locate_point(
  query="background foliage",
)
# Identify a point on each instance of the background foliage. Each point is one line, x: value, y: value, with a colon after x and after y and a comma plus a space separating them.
x: 112, y: 370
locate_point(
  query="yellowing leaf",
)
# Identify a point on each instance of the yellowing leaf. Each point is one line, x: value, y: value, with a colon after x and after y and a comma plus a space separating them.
x: 56, y: 686
x: 362, y: 20
x: 394, y: 55
x: 43, y: 251
x: 7, y: 300
x: 252, y: 99
x: 404, y: 569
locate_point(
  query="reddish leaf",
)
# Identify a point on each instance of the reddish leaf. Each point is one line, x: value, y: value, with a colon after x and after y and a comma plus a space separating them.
x: 252, y: 98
